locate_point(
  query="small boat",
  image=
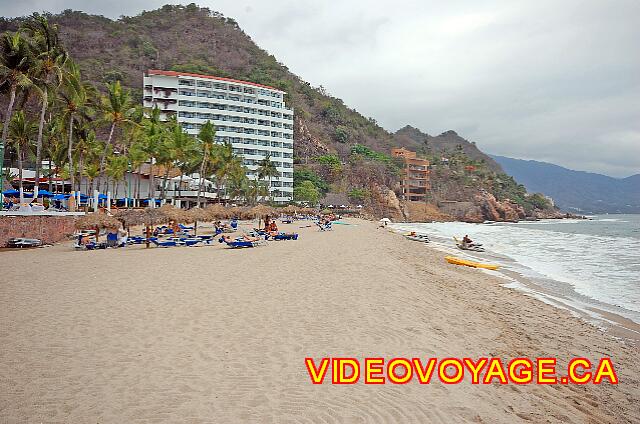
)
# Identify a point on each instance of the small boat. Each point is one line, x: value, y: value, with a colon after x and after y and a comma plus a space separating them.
x: 417, y: 237
x: 474, y: 247
x: 23, y: 242
x: 457, y: 261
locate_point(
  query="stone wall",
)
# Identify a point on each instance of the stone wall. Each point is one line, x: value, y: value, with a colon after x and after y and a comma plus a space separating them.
x: 49, y: 229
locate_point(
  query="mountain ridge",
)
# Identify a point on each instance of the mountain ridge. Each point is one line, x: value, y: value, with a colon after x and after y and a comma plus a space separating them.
x: 577, y: 191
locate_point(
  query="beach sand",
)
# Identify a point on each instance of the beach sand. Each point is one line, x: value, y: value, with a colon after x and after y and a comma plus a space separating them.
x: 208, y: 334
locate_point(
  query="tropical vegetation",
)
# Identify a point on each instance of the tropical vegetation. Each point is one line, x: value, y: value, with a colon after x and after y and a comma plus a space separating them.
x: 99, y: 134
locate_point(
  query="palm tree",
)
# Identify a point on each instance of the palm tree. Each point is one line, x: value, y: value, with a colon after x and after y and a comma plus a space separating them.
x: 154, y: 137
x: 137, y: 156
x: 184, y: 149
x: 91, y: 171
x: 255, y: 190
x: 268, y: 170
x: 87, y: 150
x: 76, y: 96
x: 116, y: 169
x: 221, y: 164
x: 238, y: 183
x: 21, y: 131
x: 15, y: 65
x: 207, y: 137
x: 49, y: 61
x: 56, y: 149
x: 118, y: 109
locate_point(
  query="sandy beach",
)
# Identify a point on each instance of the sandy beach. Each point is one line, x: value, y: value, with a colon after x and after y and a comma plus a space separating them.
x: 210, y: 334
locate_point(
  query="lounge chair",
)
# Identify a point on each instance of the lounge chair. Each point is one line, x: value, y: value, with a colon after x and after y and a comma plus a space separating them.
x: 168, y: 243
x: 240, y: 243
x: 285, y: 236
x: 190, y: 241
x: 324, y: 227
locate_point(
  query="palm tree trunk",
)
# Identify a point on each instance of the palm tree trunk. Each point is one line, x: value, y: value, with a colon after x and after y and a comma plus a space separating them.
x: 137, y: 195
x: 5, y: 132
x: 164, y: 184
x: 70, y: 151
x: 20, y: 173
x: 50, y: 175
x: 43, y: 110
x: 179, y: 189
x: 152, y: 188
x: 202, y: 167
x: 80, y: 167
x: 126, y: 192
x: 106, y: 150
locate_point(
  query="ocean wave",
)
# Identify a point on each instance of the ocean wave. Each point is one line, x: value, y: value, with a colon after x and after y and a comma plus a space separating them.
x: 601, y: 267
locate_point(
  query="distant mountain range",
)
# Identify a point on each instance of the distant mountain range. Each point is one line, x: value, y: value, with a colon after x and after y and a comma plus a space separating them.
x: 576, y: 191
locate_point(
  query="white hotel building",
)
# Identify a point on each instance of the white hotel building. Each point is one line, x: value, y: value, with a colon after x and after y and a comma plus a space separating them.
x: 252, y: 117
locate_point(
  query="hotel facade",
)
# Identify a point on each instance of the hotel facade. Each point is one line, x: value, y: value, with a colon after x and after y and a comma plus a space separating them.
x: 415, y: 177
x: 252, y: 117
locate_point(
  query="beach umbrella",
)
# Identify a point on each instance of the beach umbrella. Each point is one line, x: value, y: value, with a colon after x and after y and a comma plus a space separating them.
x: 176, y: 214
x: 343, y: 206
x: 60, y: 196
x: 238, y: 212
x: 130, y: 217
x: 44, y: 193
x: 290, y: 209
x: 97, y: 221
x: 155, y: 216
x: 260, y: 211
x: 12, y: 193
x: 387, y: 220
x: 217, y: 211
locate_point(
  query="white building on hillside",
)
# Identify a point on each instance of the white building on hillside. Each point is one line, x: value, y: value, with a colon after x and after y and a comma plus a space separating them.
x: 252, y: 117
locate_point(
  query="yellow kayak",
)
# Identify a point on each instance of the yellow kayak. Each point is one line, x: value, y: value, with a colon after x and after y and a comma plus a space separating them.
x: 458, y: 261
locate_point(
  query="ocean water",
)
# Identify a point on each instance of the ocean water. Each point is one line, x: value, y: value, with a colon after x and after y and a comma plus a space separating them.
x: 592, y: 264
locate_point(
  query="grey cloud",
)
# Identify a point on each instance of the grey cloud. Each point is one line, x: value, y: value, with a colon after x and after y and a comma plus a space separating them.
x: 546, y: 80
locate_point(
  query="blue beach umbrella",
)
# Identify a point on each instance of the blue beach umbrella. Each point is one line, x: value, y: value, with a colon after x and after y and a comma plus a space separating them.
x: 12, y: 192
x: 60, y: 196
x: 44, y: 193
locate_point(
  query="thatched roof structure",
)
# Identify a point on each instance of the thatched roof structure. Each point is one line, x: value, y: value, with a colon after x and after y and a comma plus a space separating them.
x: 175, y: 214
x: 152, y: 216
x: 240, y: 213
x: 97, y: 221
x: 199, y: 214
x: 217, y: 211
x: 261, y: 210
x: 290, y: 209
x: 130, y: 217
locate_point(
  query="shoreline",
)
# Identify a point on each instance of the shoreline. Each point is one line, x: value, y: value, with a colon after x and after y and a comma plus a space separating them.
x: 195, y: 334
x: 555, y: 292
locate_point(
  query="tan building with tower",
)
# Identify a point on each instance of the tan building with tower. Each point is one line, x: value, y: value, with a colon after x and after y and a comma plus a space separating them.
x: 415, y: 181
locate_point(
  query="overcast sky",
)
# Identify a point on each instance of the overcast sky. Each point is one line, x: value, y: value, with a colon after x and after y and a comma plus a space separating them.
x: 550, y: 80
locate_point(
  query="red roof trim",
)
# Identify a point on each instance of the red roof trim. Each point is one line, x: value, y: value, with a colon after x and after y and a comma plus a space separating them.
x: 187, y: 74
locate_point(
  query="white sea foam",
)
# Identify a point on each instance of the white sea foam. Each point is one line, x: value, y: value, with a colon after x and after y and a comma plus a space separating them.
x: 595, y: 260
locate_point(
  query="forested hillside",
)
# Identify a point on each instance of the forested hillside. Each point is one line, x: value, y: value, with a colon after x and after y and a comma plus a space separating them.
x: 336, y: 148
